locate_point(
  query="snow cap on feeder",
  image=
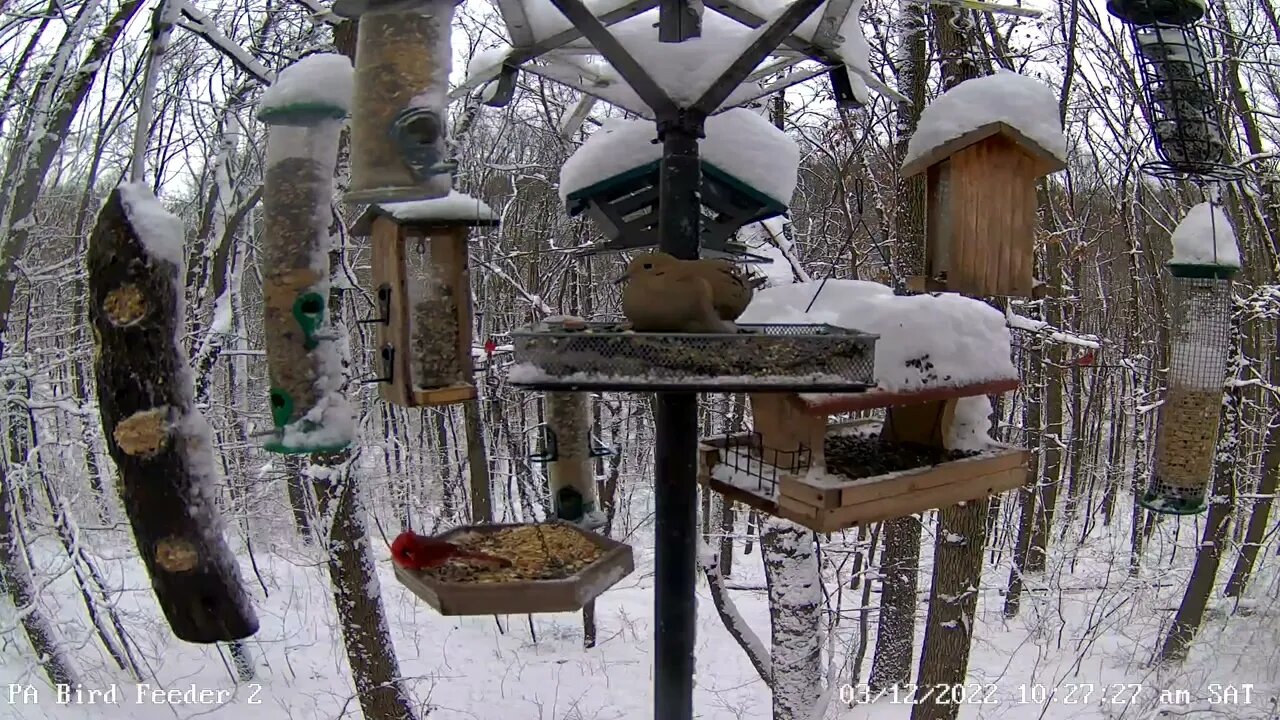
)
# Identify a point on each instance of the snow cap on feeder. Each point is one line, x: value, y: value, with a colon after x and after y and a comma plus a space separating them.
x: 312, y: 90
x: 983, y: 145
x: 749, y: 171
x: 305, y: 108
x: 1205, y: 259
x: 422, y: 283
x: 403, y: 58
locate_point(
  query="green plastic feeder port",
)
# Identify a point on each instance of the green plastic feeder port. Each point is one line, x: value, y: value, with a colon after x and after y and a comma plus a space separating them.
x: 1149, y: 12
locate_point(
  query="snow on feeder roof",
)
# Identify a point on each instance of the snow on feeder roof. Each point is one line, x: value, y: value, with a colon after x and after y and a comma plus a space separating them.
x: 739, y: 143
x: 317, y: 87
x: 454, y: 209
x: 926, y: 341
x: 1204, y: 242
x: 1022, y: 107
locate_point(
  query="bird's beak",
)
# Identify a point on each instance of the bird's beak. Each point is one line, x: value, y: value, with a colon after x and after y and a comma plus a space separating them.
x: 621, y: 279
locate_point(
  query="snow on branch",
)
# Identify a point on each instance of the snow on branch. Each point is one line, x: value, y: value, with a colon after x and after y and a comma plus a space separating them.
x: 737, y: 626
x: 1039, y: 327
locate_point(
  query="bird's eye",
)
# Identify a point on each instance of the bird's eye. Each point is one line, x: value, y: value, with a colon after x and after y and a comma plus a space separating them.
x: 648, y: 266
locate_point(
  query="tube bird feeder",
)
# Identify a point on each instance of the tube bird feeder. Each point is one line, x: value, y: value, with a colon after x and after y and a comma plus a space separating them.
x: 303, y: 363
x: 422, y: 280
x: 567, y: 448
x: 403, y: 59
x: 1204, y: 263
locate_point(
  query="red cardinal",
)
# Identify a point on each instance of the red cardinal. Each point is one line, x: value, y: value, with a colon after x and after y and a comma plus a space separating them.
x: 1086, y: 359
x: 489, y: 347
x: 418, y: 552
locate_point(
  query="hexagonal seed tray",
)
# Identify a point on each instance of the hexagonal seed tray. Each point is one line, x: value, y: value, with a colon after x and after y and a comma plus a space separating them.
x: 608, y: 356
x: 523, y: 596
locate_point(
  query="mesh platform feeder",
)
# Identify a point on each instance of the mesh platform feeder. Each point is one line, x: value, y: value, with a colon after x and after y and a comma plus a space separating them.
x: 403, y: 59
x: 567, y: 449
x: 308, y: 411
x: 1200, y: 314
x: 422, y: 282
x: 1177, y: 87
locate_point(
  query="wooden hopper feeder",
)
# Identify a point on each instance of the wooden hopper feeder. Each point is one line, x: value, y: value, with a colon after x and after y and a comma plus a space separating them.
x: 581, y: 566
x: 422, y: 282
x: 873, y: 470
x: 981, y: 211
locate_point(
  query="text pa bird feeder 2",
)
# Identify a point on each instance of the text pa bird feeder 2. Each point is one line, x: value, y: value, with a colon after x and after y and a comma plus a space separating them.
x: 567, y: 449
x: 748, y: 175
x: 981, y: 182
x: 555, y: 567
x: 1205, y: 259
x: 422, y: 281
x: 403, y: 58
x: 308, y: 410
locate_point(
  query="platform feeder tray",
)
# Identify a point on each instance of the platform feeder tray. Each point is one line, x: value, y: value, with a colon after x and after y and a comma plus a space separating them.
x: 585, y: 565
x: 609, y: 356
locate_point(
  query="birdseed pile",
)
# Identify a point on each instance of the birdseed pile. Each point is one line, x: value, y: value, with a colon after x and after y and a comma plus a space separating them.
x: 537, y: 552
x: 435, y: 342
x: 567, y: 418
x: 1185, y: 442
x: 864, y: 456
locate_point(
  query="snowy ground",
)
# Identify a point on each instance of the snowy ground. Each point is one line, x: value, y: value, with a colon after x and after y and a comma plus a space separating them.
x: 1090, y: 636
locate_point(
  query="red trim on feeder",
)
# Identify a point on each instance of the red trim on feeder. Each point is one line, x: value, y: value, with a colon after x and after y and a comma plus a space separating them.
x: 873, y: 399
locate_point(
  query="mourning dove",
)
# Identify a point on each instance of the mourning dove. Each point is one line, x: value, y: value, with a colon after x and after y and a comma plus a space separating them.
x: 664, y: 294
x: 730, y: 291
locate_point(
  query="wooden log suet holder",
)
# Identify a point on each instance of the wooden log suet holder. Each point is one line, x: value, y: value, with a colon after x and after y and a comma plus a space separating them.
x: 980, y: 205
x: 154, y: 434
x: 782, y: 468
x: 403, y: 57
x: 422, y: 279
x: 308, y: 411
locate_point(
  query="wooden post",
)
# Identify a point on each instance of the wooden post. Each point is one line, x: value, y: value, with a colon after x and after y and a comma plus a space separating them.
x: 158, y: 440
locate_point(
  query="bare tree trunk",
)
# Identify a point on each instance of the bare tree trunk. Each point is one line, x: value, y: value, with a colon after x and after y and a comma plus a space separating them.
x: 1029, y: 495
x: 478, y: 462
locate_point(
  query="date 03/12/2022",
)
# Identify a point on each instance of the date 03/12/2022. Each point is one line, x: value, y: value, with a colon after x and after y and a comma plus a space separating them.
x: 1040, y: 694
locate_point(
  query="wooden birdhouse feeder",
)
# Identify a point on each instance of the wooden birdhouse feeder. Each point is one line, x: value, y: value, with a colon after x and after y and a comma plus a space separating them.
x: 827, y: 477
x: 981, y: 210
x: 556, y: 567
x: 403, y: 57
x: 422, y: 283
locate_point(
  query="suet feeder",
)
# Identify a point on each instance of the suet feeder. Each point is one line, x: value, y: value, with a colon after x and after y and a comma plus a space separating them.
x: 303, y: 365
x: 398, y: 128
x: 827, y: 477
x: 1200, y: 314
x: 422, y: 284
x: 625, y: 209
x: 556, y: 567
x: 567, y: 448
x: 1177, y: 87
x: 981, y: 210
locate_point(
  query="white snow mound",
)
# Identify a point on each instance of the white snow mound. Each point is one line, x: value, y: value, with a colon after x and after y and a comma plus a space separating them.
x: 455, y: 206
x: 925, y: 341
x: 1023, y: 103
x: 322, y: 79
x: 1205, y: 237
x: 160, y: 231
x: 739, y: 142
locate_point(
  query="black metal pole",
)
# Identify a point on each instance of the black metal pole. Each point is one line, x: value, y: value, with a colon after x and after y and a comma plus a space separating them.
x: 676, y: 455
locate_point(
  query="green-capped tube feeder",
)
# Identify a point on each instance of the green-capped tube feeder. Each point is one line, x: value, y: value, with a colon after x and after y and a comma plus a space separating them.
x: 305, y: 109
x: 403, y: 58
x: 1205, y: 259
x: 567, y: 449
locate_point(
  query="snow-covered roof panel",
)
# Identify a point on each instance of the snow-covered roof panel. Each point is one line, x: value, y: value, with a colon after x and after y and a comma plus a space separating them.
x: 1205, y: 237
x: 1022, y: 103
x: 456, y: 208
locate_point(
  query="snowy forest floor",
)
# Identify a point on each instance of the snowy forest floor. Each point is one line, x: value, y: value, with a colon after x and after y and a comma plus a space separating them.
x: 1086, y: 628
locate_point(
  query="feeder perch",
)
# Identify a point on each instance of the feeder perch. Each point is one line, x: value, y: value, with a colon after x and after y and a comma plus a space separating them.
x: 981, y: 210
x: 799, y: 466
x: 557, y: 567
x: 422, y: 280
x: 398, y: 128
x: 302, y: 151
x: 1200, y: 314
x: 609, y: 356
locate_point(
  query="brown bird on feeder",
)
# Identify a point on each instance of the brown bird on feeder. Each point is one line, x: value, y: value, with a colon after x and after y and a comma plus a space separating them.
x: 665, y: 294
x: 730, y: 289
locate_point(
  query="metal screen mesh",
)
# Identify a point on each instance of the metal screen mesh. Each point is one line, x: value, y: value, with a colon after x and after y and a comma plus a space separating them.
x: 1187, y: 434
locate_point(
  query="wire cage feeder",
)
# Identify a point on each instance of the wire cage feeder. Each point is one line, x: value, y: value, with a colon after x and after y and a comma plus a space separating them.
x: 1177, y: 88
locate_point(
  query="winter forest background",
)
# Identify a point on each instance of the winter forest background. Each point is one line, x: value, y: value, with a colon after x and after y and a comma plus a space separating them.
x: 1086, y: 604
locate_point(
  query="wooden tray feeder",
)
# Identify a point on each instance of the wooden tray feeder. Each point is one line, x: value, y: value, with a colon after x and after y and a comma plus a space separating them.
x: 303, y: 366
x: 625, y: 208
x: 398, y: 128
x: 567, y: 447
x: 557, y: 567
x: 828, y: 477
x: 981, y: 211
x: 422, y: 282
x: 610, y: 356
